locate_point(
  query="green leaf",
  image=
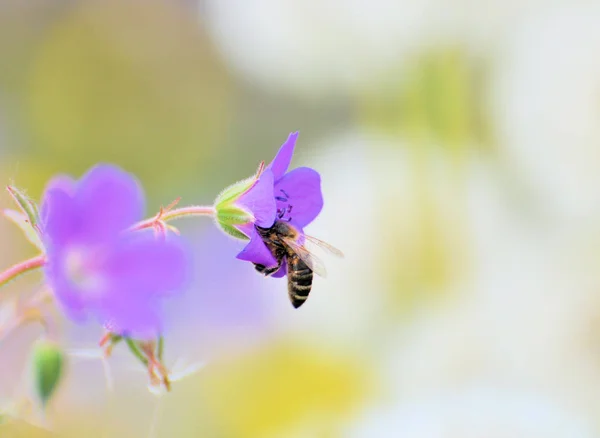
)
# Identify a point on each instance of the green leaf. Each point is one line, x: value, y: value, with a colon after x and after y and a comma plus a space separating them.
x: 48, y: 364
x: 26, y: 204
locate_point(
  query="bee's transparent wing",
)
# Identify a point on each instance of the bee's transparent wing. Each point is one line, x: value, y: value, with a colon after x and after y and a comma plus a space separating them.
x: 323, y: 245
x: 311, y: 260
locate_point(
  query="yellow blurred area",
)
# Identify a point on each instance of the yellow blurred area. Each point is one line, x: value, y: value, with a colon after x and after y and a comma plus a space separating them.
x: 23, y: 430
x: 288, y: 386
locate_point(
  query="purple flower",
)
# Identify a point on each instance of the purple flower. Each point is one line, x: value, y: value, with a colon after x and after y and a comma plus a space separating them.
x: 95, y: 266
x: 294, y: 197
x: 231, y: 310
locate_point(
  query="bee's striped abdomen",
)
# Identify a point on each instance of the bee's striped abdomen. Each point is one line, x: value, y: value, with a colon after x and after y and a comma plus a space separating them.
x: 300, y: 278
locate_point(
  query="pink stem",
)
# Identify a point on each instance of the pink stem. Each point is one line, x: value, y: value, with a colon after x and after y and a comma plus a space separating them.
x: 194, y: 210
x: 21, y: 268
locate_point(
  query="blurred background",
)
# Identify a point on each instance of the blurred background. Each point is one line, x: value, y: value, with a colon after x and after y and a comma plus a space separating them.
x: 459, y: 147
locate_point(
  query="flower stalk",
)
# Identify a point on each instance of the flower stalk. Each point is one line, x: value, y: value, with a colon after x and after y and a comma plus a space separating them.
x: 133, y: 347
x: 21, y: 268
x: 167, y: 214
x: 146, y: 353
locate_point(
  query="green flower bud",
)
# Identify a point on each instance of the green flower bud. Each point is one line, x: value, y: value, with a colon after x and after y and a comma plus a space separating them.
x: 48, y: 364
x: 228, y: 214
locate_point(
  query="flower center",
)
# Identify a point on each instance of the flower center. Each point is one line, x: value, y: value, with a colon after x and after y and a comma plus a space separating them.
x: 284, y: 207
x: 80, y: 270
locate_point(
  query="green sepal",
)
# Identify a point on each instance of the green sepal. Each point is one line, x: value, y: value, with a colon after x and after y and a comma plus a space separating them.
x: 228, y: 214
x: 233, y: 232
x: 232, y: 215
x: 48, y: 364
x: 114, y: 338
x: 231, y: 193
x: 26, y: 205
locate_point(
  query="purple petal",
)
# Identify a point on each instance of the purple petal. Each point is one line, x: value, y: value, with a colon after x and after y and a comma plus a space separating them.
x: 247, y: 229
x: 109, y: 201
x: 69, y: 298
x: 59, y: 216
x: 282, y: 160
x: 259, y: 200
x: 63, y: 183
x: 299, y: 195
x: 256, y: 251
x: 144, y: 265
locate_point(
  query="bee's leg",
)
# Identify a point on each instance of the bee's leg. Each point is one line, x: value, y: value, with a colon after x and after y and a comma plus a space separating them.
x: 264, y: 270
x: 269, y: 271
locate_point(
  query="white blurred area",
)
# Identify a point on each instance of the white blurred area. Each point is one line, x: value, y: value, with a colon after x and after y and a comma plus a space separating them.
x: 509, y: 345
x: 480, y: 411
x: 546, y: 104
x: 333, y: 47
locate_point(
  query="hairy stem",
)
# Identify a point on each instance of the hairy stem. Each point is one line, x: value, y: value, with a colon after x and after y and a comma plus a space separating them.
x: 193, y: 210
x: 21, y: 268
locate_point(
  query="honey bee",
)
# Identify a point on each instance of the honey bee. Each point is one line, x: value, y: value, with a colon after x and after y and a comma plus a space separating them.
x: 286, y: 242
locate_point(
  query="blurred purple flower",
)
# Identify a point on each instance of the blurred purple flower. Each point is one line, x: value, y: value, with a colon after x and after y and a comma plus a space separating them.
x: 97, y: 268
x: 293, y: 197
x: 230, y: 308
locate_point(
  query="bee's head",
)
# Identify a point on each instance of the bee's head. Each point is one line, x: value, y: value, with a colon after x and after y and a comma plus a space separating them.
x: 284, y: 228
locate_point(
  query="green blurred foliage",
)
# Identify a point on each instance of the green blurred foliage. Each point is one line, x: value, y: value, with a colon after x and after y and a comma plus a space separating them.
x: 426, y: 249
x: 436, y: 99
x: 434, y: 103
